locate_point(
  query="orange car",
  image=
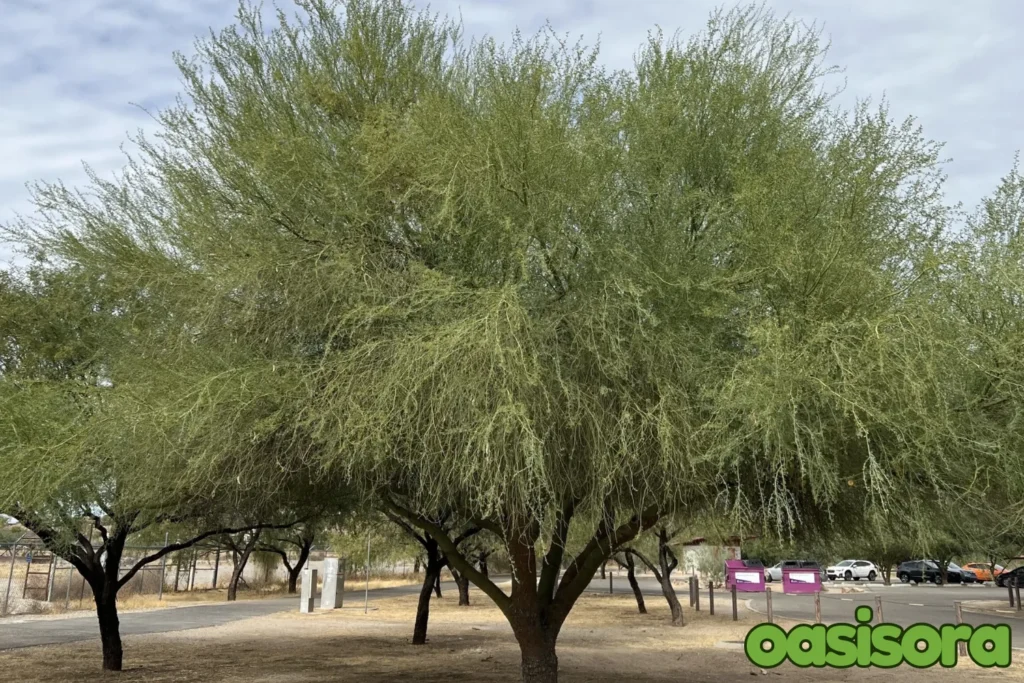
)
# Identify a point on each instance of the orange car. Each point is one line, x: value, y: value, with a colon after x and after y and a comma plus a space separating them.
x: 984, y: 571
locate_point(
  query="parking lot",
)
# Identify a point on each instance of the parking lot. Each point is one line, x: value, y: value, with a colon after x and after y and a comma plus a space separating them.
x: 902, y: 604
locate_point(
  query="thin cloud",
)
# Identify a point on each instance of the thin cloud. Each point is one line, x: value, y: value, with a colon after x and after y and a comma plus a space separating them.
x: 71, y: 70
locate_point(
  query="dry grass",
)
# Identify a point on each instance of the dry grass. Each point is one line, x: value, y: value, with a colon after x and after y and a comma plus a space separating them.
x: 604, y: 641
x: 130, y: 600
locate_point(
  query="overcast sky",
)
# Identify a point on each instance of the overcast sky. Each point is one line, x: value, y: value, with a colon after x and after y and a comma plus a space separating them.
x: 72, y: 72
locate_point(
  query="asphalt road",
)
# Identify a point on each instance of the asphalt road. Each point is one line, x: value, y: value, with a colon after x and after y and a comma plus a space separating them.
x: 27, y: 632
x: 901, y: 604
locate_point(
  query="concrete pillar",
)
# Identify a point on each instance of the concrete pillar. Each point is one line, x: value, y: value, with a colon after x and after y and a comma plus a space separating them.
x: 308, y: 592
x: 329, y: 595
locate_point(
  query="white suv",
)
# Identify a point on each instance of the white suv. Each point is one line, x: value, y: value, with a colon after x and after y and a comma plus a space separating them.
x: 852, y: 569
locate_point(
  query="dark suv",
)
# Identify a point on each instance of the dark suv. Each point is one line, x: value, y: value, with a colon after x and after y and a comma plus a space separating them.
x: 1007, y: 578
x: 925, y: 570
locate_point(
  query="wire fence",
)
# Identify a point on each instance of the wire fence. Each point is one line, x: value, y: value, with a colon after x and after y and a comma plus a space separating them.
x: 34, y: 581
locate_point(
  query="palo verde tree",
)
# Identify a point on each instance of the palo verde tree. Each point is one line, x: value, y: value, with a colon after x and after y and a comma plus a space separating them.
x: 85, y: 475
x: 505, y: 284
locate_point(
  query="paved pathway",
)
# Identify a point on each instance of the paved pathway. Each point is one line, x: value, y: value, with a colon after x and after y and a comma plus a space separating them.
x: 15, y: 632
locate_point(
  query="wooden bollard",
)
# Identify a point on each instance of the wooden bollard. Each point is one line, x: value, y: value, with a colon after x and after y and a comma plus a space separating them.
x: 878, y: 609
x: 611, y: 586
x: 711, y: 598
x: 735, y: 612
x: 817, y: 607
x: 696, y: 594
x: 1016, y: 591
x: 768, y: 598
x: 689, y: 587
x: 961, y: 645
x: 1009, y: 591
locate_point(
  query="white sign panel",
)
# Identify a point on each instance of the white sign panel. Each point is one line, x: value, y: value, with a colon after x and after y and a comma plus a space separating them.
x: 748, y: 577
x: 802, y: 577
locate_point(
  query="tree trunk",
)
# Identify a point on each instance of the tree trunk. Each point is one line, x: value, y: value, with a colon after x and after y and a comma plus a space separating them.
x: 539, y: 661
x: 602, y: 570
x: 483, y: 564
x: 243, y: 559
x: 668, y: 563
x: 887, y: 575
x: 416, y: 565
x: 463, y: 583
x: 296, y: 571
x: 110, y: 629
x: 437, y: 583
x: 430, y: 578
x: 631, y: 577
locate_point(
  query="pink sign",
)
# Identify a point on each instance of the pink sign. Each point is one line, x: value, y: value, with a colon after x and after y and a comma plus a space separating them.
x: 796, y: 580
x: 746, y: 579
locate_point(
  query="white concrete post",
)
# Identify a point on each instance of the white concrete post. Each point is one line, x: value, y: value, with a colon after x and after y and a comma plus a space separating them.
x: 308, y: 592
x: 329, y: 595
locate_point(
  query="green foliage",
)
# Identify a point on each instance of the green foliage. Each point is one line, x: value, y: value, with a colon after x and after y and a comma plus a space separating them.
x: 501, y: 278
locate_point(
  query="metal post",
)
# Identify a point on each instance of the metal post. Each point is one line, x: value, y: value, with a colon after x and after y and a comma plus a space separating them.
x: 216, y: 569
x: 1009, y: 591
x: 735, y: 612
x: 611, y: 587
x: 49, y: 578
x: 768, y: 597
x: 67, y: 594
x: 192, y: 571
x: 961, y: 645
x: 81, y: 594
x: 711, y: 598
x: 696, y: 594
x: 341, y: 586
x: 689, y: 585
x: 366, y: 595
x: 817, y: 607
x: 1016, y: 591
x: 163, y: 570
x: 878, y: 610
x: 10, y: 579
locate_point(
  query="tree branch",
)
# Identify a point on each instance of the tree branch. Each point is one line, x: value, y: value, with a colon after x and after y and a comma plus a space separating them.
x: 406, y: 528
x: 648, y: 563
x: 553, y: 559
x: 577, y: 577
x: 453, y: 555
x: 174, y: 547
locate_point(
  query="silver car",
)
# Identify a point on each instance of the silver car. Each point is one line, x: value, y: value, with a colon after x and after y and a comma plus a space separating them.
x: 774, y: 573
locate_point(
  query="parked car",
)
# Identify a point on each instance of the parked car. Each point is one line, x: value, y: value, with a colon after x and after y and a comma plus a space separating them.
x: 852, y: 569
x: 1008, y: 577
x: 966, y: 575
x: 984, y: 571
x: 774, y: 573
x: 918, y: 571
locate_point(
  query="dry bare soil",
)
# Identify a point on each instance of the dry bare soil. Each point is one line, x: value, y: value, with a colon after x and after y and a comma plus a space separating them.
x: 605, y: 640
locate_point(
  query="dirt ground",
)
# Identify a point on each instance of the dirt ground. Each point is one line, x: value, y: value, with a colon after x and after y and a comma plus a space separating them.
x: 604, y: 641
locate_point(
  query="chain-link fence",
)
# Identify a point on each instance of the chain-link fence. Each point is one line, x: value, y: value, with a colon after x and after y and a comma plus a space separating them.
x: 35, y: 581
